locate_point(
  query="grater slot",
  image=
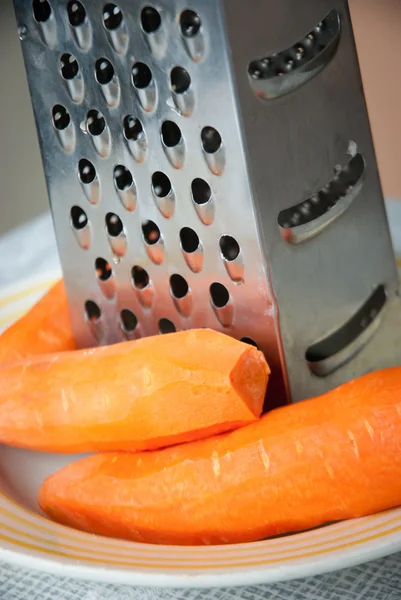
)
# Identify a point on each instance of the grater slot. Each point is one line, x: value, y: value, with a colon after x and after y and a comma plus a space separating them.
x: 142, y: 285
x: 89, y: 180
x: 81, y: 227
x: 94, y: 319
x: 105, y: 277
x: 192, y: 249
x: 181, y: 91
x: 310, y: 217
x: 92, y: 311
x: 173, y: 143
x: 231, y: 254
x: 116, y: 235
x: 279, y: 74
x: 213, y: 150
x: 222, y: 303
x: 135, y: 137
x: 192, y: 34
x: 328, y: 355
x: 72, y: 77
x: 64, y: 128
x: 153, y: 31
x: 145, y: 86
x: 203, y: 200
x: 41, y: 10
x: 250, y: 341
x: 153, y: 241
x: 163, y: 194
x: 129, y: 324
x: 108, y: 82
x: 181, y: 294
x: 45, y: 21
x: 79, y: 24
x: 166, y: 326
x: 125, y: 187
x: 99, y: 132
x: 116, y: 28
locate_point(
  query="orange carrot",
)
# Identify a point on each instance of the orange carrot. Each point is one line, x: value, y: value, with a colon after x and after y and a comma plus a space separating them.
x: 45, y: 328
x: 135, y: 395
x: 326, y: 459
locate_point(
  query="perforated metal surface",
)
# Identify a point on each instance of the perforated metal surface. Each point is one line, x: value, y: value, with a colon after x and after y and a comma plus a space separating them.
x: 197, y: 173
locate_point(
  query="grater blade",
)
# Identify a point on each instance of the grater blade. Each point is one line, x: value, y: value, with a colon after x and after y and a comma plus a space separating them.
x: 211, y: 165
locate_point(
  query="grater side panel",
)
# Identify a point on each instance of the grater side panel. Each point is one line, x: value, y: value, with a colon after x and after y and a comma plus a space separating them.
x: 296, y: 143
x: 104, y: 308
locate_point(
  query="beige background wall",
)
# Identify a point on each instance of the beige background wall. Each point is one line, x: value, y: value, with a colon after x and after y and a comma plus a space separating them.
x: 377, y: 26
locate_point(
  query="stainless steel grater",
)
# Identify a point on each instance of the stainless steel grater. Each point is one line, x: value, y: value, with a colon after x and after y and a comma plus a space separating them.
x: 211, y: 165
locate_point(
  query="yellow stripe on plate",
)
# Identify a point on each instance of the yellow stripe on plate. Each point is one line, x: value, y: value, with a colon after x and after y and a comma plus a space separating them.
x: 197, y: 567
x: 34, y: 289
x: 276, y: 551
x: 11, y: 318
x: 352, y: 527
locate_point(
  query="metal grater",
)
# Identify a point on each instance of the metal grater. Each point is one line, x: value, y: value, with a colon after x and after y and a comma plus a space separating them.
x: 211, y: 165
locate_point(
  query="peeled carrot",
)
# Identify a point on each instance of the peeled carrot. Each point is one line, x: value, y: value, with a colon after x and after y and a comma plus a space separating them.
x: 330, y: 458
x: 135, y: 395
x: 45, y: 328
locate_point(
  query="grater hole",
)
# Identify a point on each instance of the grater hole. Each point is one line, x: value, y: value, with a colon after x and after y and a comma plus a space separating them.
x: 86, y: 171
x: 140, y: 277
x: 76, y: 13
x: 103, y: 269
x: 133, y: 129
x: 141, y: 75
x: 201, y: 192
x: 122, y: 178
x: 219, y: 294
x: 178, y: 286
x: 329, y: 354
x: 112, y: 16
x: 129, y: 322
x: 41, y: 10
x: 180, y: 80
x: 151, y: 232
x: 114, y: 225
x: 166, y: 326
x: 211, y: 140
x: 190, y: 23
x: 250, y: 341
x: 229, y: 248
x: 189, y: 240
x: 171, y: 134
x: 161, y: 184
x: 96, y: 122
x: 308, y: 218
x: 69, y: 66
x: 150, y: 19
x: 281, y: 73
x: 104, y: 71
x: 92, y: 311
x: 61, y: 117
x: 79, y: 218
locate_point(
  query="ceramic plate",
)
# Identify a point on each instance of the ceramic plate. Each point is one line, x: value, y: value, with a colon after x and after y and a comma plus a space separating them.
x: 32, y: 541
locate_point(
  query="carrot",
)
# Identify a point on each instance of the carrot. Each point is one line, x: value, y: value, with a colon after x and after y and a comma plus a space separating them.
x: 43, y: 329
x: 135, y: 395
x: 330, y: 458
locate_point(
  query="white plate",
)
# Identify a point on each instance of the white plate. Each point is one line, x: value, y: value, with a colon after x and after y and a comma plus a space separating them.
x: 32, y: 541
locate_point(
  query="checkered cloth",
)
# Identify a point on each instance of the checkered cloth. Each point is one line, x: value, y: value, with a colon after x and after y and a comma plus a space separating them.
x: 379, y: 580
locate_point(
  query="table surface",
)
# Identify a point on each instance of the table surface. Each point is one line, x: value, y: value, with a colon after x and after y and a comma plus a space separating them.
x: 30, y: 250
